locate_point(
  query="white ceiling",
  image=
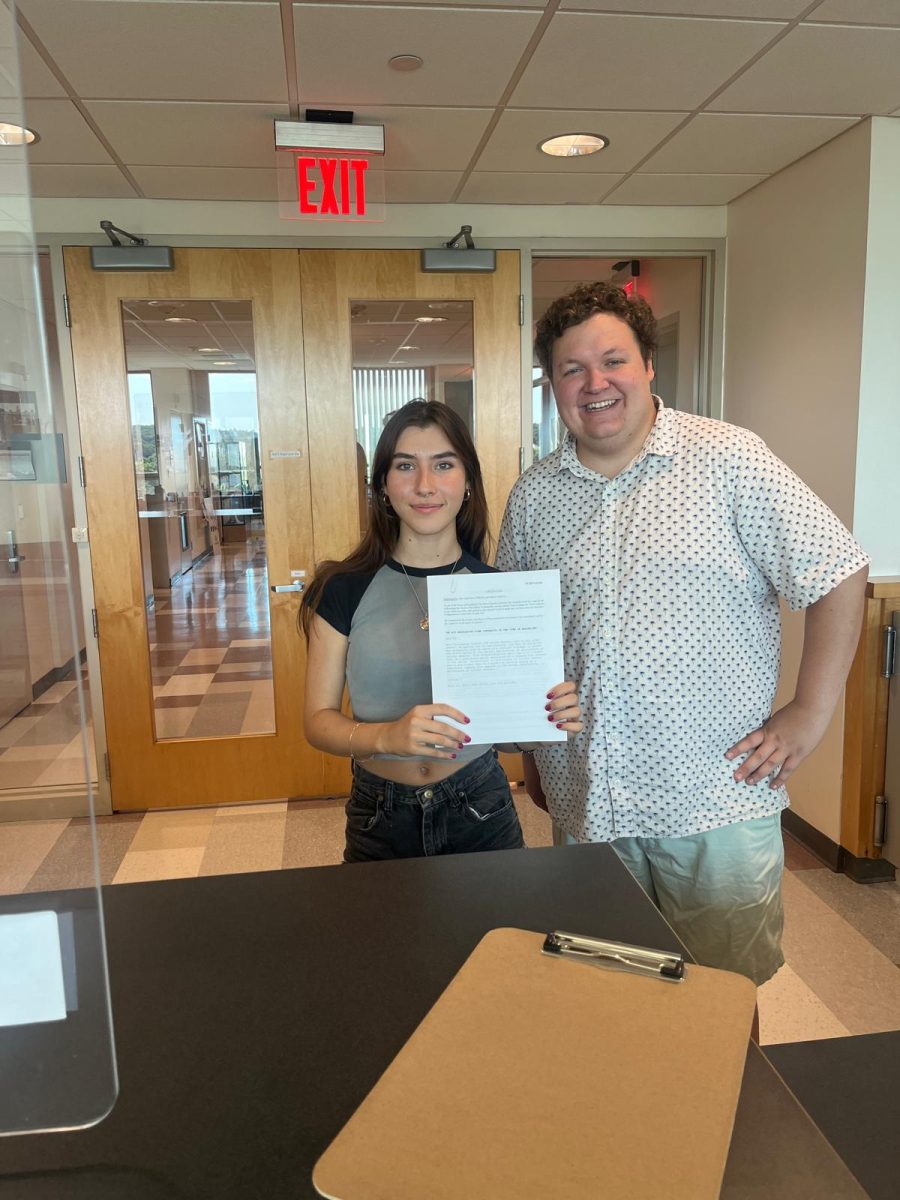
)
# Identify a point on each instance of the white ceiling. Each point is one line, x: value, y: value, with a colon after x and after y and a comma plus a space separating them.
x: 701, y: 99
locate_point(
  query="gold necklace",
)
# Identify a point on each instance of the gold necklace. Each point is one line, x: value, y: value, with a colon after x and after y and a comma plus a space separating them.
x: 423, y: 624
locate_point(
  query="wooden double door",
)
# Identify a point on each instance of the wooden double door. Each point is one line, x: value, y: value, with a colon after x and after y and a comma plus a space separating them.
x: 240, y: 395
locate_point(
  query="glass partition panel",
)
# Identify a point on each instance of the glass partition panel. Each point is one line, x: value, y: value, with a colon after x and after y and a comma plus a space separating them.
x: 201, y: 514
x: 57, y: 1067
x: 406, y: 350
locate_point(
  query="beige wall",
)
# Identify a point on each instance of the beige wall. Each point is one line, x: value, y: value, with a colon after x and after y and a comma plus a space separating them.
x: 877, y: 498
x: 796, y: 277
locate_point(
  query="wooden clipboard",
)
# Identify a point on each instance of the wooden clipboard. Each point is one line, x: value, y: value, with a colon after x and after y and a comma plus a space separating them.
x: 540, y: 1075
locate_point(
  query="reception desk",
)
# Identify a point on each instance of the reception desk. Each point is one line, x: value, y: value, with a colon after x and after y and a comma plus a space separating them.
x: 254, y: 1012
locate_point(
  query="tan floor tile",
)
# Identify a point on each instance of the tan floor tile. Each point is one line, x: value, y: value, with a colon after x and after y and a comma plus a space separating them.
x: 23, y: 847
x: 20, y: 774
x: 184, y: 685
x: 242, y: 642
x: 16, y: 728
x: 231, y: 668
x: 537, y: 828
x: 139, y: 866
x: 57, y: 692
x: 253, y: 843
x: 789, y: 1011
x: 260, y: 714
x: 210, y: 654
x: 853, y: 979
x: 244, y: 686
x: 26, y: 753
x: 63, y: 771
x: 179, y: 830
x: 173, y: 722
x: 252, y: 810
x: 314, y: 834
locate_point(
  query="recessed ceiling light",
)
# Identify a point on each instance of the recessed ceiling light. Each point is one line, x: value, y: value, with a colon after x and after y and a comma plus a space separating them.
x: 574, y: 145
x: 16, y: 135
x: 208, y: 349
x: 405, y: 62
x: 409, y: 347
x: 180, y: 320
x: 429, y: 320
x: 224, y: 363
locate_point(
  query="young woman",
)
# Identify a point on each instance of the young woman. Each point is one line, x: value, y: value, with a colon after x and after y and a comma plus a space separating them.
x: 420, y: 786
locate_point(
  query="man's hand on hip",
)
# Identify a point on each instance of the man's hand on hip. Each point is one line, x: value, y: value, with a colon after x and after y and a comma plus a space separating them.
x: 779, y: 746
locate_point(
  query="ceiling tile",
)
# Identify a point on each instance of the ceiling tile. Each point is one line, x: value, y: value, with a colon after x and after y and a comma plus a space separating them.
x: 343, y: 51
x: 821, y: 69
x: 721, y: 144
x: 514, y: 143
x: 79, y: 180
x: 596, y: 61
x: 189, y: 135
x: 859, y: 12
x: 113, y: 49
x: 435, y: 139
x: 65, y: 136
x: 682, y: 189
x: 207, y: 183
x: 37, y: 78
x: 496, y: 187
x: 779, y: 10
x: 419, y: 187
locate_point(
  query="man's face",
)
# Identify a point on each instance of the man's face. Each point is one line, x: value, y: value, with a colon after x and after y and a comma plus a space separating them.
x: 602, y: 389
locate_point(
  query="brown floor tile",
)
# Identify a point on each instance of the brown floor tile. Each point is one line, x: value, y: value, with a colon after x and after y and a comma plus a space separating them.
x: 221, y: 718
x: 241, y: 676
x: 247, y: 654
x: 178, y: 701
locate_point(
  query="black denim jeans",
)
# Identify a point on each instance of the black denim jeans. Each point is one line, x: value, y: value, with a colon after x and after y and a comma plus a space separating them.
x: 470, y: 810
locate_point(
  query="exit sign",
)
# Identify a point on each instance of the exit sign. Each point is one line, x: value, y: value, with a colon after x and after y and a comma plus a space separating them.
x: 332, y: 188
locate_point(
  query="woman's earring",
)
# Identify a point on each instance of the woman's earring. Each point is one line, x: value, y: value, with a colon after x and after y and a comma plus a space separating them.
x: 467, y: 494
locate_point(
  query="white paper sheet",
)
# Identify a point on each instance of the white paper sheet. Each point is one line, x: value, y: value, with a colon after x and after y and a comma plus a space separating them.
x: 31, y: 972
x: 496, y: 650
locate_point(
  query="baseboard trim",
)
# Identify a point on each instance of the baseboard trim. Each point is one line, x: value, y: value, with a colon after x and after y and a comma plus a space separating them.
x: 59, y: 674
x: 835, y: 857
x: 816, y: 842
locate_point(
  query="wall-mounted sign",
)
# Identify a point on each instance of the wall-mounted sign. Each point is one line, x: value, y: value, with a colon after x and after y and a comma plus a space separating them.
x: 327, y: 187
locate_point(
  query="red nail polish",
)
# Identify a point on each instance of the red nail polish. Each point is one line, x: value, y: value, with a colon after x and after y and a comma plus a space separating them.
x: 467, y: 738
x: 560, y: 724
x: 547, y: 707
x: 549, y: 695
x: 467, y: 721
x: 453, y: 756
x: 459, y: 745
x: 550, y: 718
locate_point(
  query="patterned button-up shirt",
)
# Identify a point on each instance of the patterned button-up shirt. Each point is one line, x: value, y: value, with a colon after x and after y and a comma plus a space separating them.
x: 671, y: 573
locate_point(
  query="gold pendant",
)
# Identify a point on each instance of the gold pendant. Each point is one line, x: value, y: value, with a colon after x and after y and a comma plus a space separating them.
x: 423, y: 624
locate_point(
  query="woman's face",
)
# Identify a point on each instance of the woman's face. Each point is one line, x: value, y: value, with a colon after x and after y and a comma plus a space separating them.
x: 426, y: 481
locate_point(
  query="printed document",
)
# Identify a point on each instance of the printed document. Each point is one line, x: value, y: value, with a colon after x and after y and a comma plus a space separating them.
x: 496, y: 650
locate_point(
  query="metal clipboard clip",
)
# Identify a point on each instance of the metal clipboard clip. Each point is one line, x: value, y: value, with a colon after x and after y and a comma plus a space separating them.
x: 616, y: 956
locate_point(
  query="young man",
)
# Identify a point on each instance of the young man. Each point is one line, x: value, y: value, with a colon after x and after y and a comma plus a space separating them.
x: 675, y: 535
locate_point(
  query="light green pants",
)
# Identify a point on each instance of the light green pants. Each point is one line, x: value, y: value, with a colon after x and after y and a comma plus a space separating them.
x: 720, y: 891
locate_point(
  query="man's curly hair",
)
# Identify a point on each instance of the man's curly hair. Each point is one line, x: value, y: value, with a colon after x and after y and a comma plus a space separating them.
x: 587, y: 300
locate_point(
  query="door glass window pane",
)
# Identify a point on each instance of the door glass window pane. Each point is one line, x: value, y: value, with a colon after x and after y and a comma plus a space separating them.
x: 407, y: 350
x: 201, y: 513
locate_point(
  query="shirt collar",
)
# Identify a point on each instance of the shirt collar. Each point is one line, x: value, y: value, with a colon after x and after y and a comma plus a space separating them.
x: 661, y: 440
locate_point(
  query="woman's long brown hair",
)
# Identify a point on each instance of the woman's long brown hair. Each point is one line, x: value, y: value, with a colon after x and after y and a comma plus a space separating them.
x: 383, y: 531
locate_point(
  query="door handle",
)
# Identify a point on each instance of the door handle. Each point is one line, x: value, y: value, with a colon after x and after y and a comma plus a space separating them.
x: 288, y: 587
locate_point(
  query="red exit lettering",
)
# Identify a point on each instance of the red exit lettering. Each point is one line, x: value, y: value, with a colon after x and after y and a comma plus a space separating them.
x: 340, y: 182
